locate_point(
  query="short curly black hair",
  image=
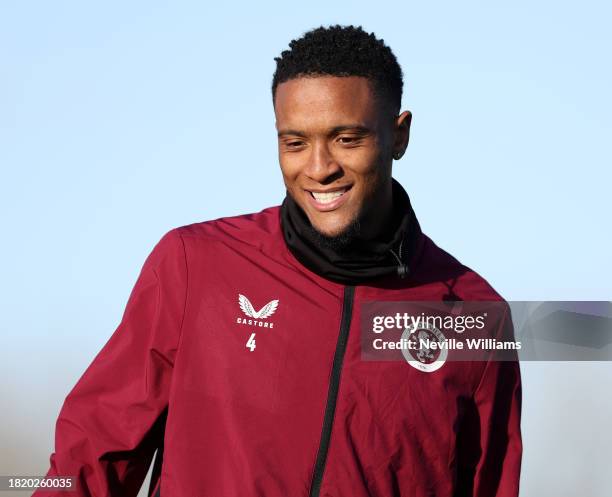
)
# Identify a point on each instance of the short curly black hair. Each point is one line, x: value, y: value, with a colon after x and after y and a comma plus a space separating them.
x: 342, y: 51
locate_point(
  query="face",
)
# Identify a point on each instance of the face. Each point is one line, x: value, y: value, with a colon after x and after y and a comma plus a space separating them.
x: 336, y: 142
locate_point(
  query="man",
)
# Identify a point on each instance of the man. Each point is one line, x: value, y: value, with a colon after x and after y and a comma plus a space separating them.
x: 238, y: 354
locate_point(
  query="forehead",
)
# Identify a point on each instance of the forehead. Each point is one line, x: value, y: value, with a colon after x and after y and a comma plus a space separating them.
x: 325, y: 101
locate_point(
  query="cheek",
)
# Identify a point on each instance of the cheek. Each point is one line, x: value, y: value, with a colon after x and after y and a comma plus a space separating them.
x: 292, y: 162
x: 363, y: 161
x: 289, y: 168
x: 370, y: 184
x: 362, y: 192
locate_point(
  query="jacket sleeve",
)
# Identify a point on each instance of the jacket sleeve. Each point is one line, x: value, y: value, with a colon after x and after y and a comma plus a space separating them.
x: 492, y: 443
x: 111, y: 422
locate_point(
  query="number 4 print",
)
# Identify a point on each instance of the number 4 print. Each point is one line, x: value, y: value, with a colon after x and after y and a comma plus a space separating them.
x: 251, y: 342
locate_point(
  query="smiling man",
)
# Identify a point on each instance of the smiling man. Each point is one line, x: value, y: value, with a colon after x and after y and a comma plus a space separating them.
x: 238, y: 356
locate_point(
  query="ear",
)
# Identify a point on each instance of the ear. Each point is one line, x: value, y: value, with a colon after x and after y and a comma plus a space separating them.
x: 402, y: 134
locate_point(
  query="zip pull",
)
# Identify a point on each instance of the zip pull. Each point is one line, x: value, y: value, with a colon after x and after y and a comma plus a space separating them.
x: 402, y: 269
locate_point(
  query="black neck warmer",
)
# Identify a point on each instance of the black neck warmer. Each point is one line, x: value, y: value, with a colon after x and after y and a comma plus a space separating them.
x: 362, y: 260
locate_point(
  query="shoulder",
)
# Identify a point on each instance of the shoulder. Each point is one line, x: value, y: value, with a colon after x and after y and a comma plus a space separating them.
x: 258, y: 231
x: 463, y: 282
x: 255, y: 229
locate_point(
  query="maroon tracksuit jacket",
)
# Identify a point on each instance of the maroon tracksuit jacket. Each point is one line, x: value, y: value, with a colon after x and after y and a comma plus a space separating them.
x: 243, y: 367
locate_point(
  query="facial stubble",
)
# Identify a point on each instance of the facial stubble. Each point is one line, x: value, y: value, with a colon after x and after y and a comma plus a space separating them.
x: 339, y: 242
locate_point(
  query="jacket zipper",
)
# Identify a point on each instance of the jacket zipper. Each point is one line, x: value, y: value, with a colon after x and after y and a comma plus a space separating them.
x: 332, y: 393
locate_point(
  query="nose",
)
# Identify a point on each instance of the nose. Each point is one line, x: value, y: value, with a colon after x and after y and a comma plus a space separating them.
x: 322, y: 166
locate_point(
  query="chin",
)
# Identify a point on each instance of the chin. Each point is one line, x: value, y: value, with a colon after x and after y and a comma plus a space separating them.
x: 330, y: 233
x: 332, y: 228
x: 346, y: 227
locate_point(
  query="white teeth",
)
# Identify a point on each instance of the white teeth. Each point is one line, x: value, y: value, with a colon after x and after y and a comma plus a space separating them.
x: 326, y: 198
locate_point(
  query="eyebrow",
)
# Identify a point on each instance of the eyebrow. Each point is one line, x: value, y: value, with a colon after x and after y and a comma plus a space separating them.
x: 333, y: 131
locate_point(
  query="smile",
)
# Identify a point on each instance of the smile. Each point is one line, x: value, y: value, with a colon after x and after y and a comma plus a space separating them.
x: 328, y: 200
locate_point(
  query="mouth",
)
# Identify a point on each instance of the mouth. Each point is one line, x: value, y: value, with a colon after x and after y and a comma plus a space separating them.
x: 327, y: 200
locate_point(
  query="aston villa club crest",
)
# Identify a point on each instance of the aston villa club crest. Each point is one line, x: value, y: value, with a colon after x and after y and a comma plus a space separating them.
x: 420, y: 355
